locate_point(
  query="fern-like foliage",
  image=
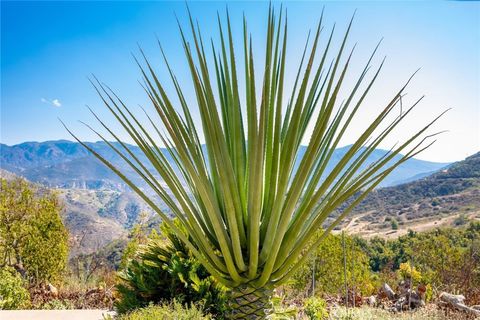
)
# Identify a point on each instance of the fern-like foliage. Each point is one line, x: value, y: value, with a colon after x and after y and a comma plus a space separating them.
x: 163, y: 270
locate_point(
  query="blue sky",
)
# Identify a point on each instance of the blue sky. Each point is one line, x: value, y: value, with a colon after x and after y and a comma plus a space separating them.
x: 48, y: 49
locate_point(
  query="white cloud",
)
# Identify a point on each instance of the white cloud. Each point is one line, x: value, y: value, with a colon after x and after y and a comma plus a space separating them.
x: 56, y: 103
x: 53, y: 102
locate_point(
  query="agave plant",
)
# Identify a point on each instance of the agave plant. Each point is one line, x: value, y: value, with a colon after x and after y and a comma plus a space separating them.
x: 248, y: 201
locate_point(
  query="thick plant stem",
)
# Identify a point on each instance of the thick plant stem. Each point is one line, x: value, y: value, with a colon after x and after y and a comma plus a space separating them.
x: 249, y: 303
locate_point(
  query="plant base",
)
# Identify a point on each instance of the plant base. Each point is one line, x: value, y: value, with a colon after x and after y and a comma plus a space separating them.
x: 249, y: 303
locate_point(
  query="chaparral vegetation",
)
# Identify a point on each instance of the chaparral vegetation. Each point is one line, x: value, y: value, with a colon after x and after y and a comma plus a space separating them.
x: 158, y: 276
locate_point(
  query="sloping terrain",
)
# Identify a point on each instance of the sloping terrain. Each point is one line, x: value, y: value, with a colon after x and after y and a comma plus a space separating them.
x: 443, y: 198
x: 95, y: 218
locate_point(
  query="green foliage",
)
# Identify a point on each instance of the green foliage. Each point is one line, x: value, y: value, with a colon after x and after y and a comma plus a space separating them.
x: 173, y: 311
x: 442, y: 260
x: 315, y: 308
x: 252, y: 210
x: 461, y: 220
x: 428, y: 293
x: 164, y: 269
x: 379, y: 252
x: 407, y: 272
x: 280, y: 311
x: 57, y: 304
x: 137, y: 237
x: 328, y: 261
x: 394, y: 224
x: 32, y: 235
x: 447, y: 259
x: 13, y: 294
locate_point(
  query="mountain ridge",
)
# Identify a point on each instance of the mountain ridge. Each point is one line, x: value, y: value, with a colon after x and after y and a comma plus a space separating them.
x: 67, y: 164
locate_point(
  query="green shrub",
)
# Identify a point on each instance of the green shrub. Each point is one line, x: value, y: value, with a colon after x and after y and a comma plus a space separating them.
x: 461, y: 220
x: 407, y: 272
x: 281, y: 311
x: 446, y: 258
x: 13, y: 294
x: 164, y: 270
x: 57, y: 304
x: 315, y: 308
x: 394, y: 224
x: 173, y: 311
x: 328, y: 264
x: 32, y: 233
x: 428, y: 293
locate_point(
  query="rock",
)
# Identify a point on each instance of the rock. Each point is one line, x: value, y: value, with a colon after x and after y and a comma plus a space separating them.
x: 388, y: 291
x: 416, y: 299
x: 404, y: 287
x: 452, y: 298
x: 52, y: 290
x: 400, y: 304
x: 458, y: 302
x: 372, y: 301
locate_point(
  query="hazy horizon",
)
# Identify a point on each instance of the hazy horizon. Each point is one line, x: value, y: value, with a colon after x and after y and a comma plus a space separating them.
x: 133, y: 144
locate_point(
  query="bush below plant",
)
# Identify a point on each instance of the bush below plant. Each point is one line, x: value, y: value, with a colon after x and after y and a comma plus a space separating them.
x: 172, y: 311
x: 315, y: 308
x: 164, y: 270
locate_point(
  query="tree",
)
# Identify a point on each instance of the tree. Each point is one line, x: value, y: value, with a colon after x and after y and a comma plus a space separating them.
x: 252, y: 209
x: 329, y: 268
x: 33, y: 238
x: 394, y: 224
x: 447, y: 258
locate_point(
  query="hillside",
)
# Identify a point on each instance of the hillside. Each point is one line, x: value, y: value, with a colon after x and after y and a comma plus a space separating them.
x: 443, y: 198
x: 95, y: 218
x: 65, y: 164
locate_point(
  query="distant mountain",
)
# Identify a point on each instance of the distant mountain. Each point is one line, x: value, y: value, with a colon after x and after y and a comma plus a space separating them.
x: 445, y: 197
x: 66, y: 164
